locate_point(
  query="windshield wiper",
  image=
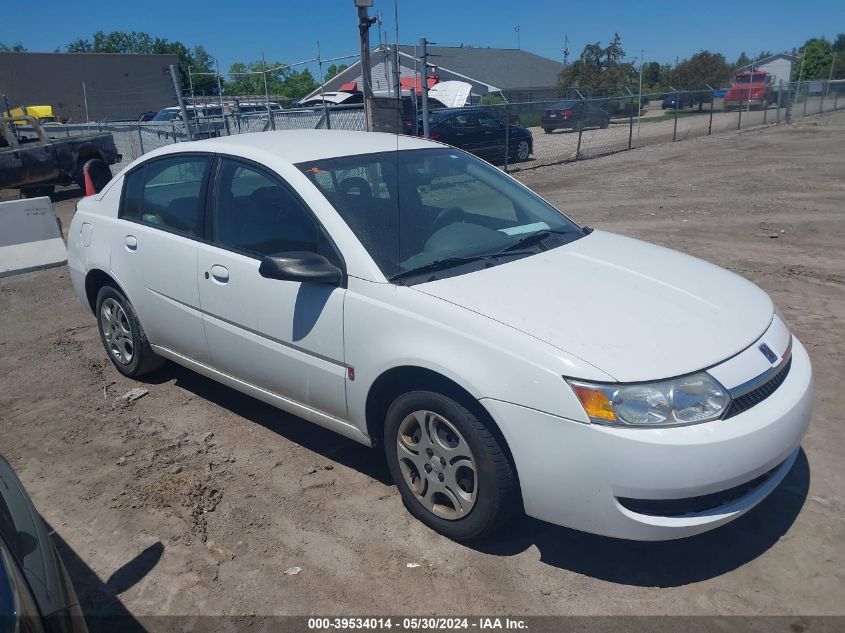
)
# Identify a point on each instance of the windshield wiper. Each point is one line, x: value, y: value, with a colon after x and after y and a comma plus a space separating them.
x: 451, y: 262
x: 534, y: 238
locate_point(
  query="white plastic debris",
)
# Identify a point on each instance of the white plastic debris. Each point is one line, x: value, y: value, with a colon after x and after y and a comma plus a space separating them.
x: 412, y: 565
x: 292, y: 571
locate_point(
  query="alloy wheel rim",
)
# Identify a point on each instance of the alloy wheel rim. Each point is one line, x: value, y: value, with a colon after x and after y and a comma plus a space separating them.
x: 437, y: 464
x: 117, y: 332
x: 522, y: 150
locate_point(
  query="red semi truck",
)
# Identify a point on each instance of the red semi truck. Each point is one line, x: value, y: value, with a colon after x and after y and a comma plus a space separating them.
x: 750, y: 89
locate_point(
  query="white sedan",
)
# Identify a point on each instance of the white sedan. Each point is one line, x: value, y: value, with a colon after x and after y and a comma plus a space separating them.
x: 412, y: 297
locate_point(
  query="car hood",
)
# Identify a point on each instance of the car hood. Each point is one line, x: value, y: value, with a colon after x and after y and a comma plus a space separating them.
x: 633, y: 310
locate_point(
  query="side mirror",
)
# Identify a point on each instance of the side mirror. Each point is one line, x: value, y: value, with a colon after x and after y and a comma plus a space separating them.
x: 303, y: 266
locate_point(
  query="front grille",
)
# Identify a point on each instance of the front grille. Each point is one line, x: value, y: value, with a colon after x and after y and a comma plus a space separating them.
x: 756, y: 396
x: 694, y: 505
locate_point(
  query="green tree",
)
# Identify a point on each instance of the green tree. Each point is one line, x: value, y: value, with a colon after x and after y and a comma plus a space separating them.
x: 701, y: 69
x: 248, y: 79
x: 600, y: 70
x: 197, y: 59
x: 742, y: 60
x: 17, y: 47
x: 814, y: 59
x: 335, y: 69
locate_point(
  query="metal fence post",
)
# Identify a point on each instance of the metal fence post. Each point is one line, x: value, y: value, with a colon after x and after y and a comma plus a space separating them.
x: 580, y: 128
x: 806, y: 94
x: 710, y: 124
x: 787, y: 110
x: 631, y: 122
x: 140, y: 138
x: 675, y: 128
x: 780, y: 94
x: 835, y: 96
x: 173, y: 129
x: 507, y: 134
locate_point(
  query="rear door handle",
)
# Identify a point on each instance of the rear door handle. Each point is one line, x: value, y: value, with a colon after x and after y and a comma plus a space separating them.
x: 220, y: 273
x: 131, y: 242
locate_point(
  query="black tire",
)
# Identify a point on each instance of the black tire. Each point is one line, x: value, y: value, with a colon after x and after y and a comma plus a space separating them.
x: 605, y: 123
x: 495, y: 486
x: 518, y: 146
x: 548, y: 130
x: 143, y: 360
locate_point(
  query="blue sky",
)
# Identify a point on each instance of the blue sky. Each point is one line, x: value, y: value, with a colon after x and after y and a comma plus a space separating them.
x: 287, y: 31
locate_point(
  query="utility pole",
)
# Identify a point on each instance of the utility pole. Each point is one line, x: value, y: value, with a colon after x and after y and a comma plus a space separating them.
x: 518, y: 43
x: 364, y: 23
x: 174, y: 75
x: 424, y: 85
x: 397, y: 72
x: 565, y: 49
x: 219, y: 84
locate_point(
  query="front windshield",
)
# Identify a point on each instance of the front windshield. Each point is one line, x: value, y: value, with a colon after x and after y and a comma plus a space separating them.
x: 415, y: 207
x: 751, y: 79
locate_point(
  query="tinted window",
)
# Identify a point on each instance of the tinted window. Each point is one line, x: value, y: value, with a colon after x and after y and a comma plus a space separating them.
x: 166, y: 193
x: 488, y: 121
x: 256, y: 214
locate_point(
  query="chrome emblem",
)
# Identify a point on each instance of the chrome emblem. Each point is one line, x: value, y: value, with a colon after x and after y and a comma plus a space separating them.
x: 768, y: 353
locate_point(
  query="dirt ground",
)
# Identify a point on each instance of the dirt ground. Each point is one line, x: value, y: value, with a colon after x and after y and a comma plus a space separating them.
x: 196, y: 499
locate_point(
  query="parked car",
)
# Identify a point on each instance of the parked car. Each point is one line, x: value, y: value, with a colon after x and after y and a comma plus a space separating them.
x: 333, y: 99
x: 480, y: 132
x: 574, y: 115
x: 36, y: 594
x: 412, y: 297
x: 686, y: 99
x: 34, y: 163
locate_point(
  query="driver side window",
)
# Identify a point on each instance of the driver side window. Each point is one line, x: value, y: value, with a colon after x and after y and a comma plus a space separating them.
x: 254, y: 213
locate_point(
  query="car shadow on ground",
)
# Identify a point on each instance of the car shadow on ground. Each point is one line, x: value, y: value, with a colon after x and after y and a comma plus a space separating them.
x: 666, y: 563
x: 308, y: 435
x: 100, y: 601
x: 647, y: 564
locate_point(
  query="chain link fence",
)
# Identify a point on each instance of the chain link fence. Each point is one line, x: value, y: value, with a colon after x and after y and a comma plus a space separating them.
x: 579, y: 127
x: 562, y: 130
x: 134, y: 139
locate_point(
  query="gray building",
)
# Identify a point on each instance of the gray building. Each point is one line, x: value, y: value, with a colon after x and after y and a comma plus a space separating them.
x: 115, y: 86
x: 515, y: 74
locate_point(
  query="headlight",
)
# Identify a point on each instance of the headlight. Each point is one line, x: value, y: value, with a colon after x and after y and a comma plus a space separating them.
x: 686, y: 400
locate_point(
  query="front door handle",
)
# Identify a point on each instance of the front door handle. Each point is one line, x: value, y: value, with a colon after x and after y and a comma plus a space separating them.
x: 131, y: 243
x: 220, y: 273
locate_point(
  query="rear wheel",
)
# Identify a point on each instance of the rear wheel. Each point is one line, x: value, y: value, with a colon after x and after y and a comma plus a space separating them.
x: 523, y: 150
x: 122, y: 335
x: 450, y: 469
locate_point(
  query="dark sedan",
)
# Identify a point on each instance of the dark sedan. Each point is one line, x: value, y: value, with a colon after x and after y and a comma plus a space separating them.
x: 481, y: 132
x: 574, y: 115
x: 35, y: 592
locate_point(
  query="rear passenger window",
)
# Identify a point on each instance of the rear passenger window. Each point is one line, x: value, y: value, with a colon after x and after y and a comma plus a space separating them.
x: 166, y: 193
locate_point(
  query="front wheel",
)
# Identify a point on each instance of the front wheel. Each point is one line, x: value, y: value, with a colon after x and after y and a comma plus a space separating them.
x: 451, y: 470
x: 122, y: 334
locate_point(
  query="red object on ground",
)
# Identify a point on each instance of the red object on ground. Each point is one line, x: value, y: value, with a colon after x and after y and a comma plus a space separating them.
x: 89, y: 184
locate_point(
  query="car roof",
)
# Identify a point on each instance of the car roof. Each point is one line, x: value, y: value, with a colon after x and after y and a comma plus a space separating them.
x: 295, y: 146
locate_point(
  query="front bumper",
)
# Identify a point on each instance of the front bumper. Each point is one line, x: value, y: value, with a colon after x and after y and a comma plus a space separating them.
x: 574, y: 474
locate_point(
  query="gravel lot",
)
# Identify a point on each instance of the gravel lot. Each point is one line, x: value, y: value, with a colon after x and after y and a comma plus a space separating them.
x: 195, y: 499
